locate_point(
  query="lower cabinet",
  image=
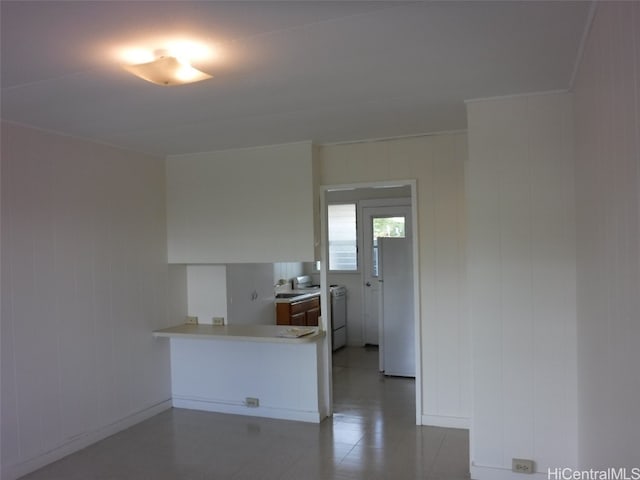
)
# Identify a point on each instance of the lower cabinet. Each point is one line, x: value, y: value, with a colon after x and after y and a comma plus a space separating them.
x: 304, y: 312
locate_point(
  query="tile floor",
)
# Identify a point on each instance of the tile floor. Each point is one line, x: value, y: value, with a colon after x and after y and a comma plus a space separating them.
x: 371, y: 436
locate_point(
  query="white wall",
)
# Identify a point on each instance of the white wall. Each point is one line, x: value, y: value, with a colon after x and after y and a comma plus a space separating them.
x: 607, y: 125
x: 287, y: 270
x: 521, y: 283
x: 251, y: 205
x: 178, y: 297
x: 437, y: 162
x: 250, y: 294
x: 207, y: 292
x: 84, y: 282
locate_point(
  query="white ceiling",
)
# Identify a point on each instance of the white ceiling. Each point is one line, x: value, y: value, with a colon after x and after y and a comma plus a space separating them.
x: 287, y: 71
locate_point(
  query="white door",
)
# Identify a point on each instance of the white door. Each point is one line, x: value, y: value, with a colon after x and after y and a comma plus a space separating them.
x: 390, y: 221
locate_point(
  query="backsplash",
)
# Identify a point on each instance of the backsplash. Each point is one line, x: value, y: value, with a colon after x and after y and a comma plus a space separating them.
x: 241, y: 293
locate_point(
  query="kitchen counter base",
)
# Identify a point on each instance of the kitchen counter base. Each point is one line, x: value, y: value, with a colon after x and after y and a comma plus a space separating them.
x: 275, y: 413
x: 218, y: 375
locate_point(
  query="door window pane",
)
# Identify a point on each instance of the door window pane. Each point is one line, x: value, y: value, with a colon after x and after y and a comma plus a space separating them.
x: 385, y: 227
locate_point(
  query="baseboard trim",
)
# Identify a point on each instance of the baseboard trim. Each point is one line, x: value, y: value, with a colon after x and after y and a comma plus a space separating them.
x: 236, y: 409
x: 479, y: 472
x: 446, y: 422
x: 12, y: 472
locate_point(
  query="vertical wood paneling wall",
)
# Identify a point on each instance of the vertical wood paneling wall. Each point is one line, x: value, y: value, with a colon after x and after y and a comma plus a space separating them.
x: 84, y: 282
x: 437, y: 163
x: 607, y: 126
x: 521, y: 283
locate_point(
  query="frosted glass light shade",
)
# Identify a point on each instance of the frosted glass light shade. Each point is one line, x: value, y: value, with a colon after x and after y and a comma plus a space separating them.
x: 167, y: 71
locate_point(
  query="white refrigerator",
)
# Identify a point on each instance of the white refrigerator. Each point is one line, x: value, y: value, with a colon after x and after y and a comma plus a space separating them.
x: 397, y: 325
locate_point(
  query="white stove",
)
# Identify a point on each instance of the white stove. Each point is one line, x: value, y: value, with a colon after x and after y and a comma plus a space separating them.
x: 338, y: 316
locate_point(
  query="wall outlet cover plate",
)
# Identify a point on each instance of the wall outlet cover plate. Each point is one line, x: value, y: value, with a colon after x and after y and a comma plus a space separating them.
x: 521, y: 465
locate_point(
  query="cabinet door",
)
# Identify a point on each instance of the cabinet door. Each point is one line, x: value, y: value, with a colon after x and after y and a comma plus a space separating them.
x: 283, y: 314
x: 299, y: 319
x: 312, y: 317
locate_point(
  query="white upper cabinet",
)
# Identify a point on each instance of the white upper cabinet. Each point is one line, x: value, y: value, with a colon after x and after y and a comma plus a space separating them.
x: 241, y: 206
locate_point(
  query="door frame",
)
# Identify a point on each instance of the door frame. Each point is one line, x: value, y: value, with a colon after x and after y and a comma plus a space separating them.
x: 324, y: 256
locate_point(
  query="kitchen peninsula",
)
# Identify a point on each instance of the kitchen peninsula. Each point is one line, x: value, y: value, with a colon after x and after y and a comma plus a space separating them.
x: 257, y: 370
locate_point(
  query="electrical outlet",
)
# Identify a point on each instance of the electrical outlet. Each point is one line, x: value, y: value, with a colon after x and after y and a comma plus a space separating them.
x: 521, y: 465
x: 252, y: 402
x: 191, y: 320
x: 218, y: 321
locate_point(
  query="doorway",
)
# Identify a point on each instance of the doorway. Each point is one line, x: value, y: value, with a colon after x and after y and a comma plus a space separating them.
x: 408, y: 213
x: 383, y: 221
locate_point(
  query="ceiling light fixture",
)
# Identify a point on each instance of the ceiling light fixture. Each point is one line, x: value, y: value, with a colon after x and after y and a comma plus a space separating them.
x: 167, y: 70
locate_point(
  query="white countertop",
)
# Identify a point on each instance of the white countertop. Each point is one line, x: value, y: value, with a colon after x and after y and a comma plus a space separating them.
x: 303, y: 295
x: 250, y: 333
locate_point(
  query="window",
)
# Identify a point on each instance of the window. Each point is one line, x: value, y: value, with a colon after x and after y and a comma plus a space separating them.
x: 384, y: 227
x: 343, y: 239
